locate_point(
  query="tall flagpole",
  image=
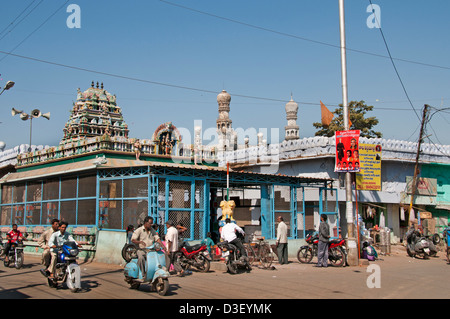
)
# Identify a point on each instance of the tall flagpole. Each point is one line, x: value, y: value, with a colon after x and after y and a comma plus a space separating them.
x: 352, y: 251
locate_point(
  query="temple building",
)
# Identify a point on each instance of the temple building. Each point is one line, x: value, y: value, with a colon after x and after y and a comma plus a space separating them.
x: 100, y: 180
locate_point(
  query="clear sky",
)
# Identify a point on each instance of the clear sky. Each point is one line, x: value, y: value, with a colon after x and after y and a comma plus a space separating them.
x: 170, y: 62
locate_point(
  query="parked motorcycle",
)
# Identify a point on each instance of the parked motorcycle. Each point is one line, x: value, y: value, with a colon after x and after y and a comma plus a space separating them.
x: 418, y: 245
x: 156, y: 274
x: 195, y: 256
x: 232, y: 256
x: 67, y: 269
x: 337, y: 254
x: 15, y: 255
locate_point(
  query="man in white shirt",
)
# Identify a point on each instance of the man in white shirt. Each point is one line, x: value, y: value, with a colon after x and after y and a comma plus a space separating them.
x: 172, y: 247
x: 229, y: 234
x: 282, y: 241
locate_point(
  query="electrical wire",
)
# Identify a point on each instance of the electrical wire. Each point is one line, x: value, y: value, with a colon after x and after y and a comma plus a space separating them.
x: 393, y: 64
x: 34, y: 31
x: 301, y: 38
x: 12, y: 22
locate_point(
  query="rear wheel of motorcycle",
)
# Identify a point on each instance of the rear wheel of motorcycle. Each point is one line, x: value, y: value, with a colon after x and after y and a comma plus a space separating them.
x: 129, y: 252
x: 19, y: 261
x: 6, y: 263
x: 305, y: 255
x: 232, y: 268
x: 336, y: 257
x: 409, y: 252
x: 202, y: 263
x: 162, y: 286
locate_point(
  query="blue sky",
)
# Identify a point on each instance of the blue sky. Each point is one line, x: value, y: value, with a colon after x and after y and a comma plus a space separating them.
x: 250, y: 48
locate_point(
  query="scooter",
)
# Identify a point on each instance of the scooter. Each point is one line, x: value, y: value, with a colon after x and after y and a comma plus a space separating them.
x: 156, y: 274
x: 416, y: 245
x: 193, y: 256
x: 67, y: 269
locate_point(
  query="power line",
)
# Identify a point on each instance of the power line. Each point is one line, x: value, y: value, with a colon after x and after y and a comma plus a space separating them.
x: 12, y: 22
x: 301, y: 38
x: 393, y: 64
x: 35, y: 30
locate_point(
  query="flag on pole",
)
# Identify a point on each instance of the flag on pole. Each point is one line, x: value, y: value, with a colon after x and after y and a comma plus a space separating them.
x: 327, y: 116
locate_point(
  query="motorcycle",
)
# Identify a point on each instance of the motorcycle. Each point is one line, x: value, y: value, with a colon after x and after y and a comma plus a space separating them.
x: 157, y: 274
x: 417, y: 245
x: 233, y: 258
x: 67, y: 269
x: 188, y: 256
x: 15, y: 255
x: 337, y: 254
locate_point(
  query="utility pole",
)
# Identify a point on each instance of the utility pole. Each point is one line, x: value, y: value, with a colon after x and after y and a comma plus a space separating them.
x: 352, y: 247
x: 416, y: 169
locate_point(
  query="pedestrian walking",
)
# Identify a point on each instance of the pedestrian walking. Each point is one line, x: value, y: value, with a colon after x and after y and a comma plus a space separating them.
x: 172, y: 247
x: 324, y: 238
x: 282, y: 246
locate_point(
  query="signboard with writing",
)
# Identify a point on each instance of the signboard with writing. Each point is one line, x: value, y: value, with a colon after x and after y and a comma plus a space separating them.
x: 424, y: 186
x: 347, y: 156
x: 369, y: 176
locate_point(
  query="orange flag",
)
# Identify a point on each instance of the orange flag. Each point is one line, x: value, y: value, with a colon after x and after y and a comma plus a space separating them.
x: 327, y: 116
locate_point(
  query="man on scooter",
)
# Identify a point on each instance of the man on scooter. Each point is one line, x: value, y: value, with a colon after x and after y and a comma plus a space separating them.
x: 143, y: 237
x: 13, y: 236
x: 229, y: 234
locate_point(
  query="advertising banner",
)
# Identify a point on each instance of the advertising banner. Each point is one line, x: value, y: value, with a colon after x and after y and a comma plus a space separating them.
x: 369, y: 177
x: 347, y: 154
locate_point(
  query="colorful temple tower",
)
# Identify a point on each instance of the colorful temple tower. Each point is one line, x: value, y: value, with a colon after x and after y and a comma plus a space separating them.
x: 95, y: 113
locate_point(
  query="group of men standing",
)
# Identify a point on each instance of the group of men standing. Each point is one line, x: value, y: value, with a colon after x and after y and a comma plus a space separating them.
x: 324, y: 238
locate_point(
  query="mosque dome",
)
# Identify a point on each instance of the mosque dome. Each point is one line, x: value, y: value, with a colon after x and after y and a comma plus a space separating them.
x: 223, y: 97
x: 291, y: 106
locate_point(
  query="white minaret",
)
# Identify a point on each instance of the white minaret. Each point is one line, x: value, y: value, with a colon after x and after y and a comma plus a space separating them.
x: 227, y: 136
x: 291, y: 128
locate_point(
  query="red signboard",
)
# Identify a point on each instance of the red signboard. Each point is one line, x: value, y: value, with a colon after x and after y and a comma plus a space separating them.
x: 347, y: 152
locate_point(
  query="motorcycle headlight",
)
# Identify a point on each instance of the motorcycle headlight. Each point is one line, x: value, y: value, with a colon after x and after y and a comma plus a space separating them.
x: 73, y: 252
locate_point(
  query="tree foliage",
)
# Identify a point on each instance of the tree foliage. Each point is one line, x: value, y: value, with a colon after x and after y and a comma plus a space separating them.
x: 357, y: 111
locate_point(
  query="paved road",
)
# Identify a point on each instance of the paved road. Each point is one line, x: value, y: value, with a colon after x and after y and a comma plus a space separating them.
x: 400, y: 277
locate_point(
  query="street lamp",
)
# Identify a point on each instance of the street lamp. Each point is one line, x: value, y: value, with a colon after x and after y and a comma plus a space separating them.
x: 34, y: 114
x: 8, y: 85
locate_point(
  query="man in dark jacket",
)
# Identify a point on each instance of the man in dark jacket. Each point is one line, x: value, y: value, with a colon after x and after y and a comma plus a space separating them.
x: 324, y: 237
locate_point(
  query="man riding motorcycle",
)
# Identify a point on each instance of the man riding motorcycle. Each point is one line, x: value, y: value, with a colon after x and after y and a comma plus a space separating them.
x: 56, y: 240
x: 43, y: 242
x: 13, y: 236
x: 229, y: 234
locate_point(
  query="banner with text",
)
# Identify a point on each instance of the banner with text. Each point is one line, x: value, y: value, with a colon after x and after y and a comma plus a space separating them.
x: 369, y: 177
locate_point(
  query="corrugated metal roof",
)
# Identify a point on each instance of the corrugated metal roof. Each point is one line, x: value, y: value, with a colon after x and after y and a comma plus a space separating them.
x: 49, y: 171
x: 105, y: 163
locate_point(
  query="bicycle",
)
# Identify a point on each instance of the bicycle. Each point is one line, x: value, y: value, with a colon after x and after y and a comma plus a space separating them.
x: 259, y: 251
